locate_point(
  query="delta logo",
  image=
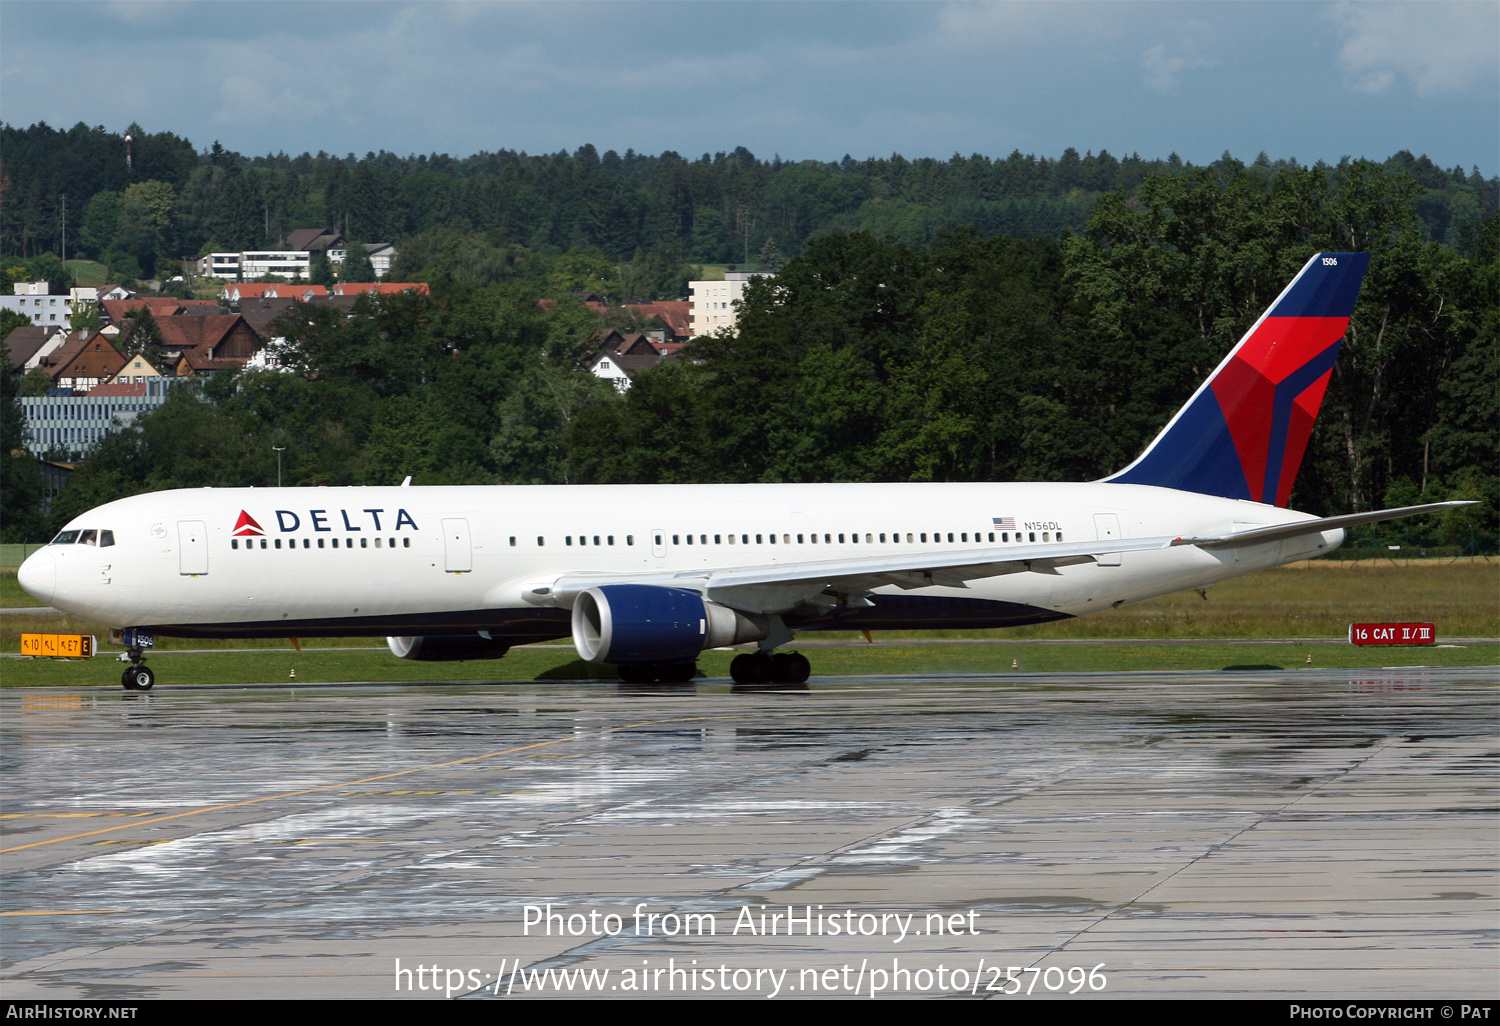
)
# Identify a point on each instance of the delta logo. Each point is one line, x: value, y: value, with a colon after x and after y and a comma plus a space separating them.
x: 246, y: 527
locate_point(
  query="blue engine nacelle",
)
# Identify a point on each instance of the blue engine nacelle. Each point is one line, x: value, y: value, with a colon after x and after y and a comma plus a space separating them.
x: 643, y: 623
x: 447, y: 648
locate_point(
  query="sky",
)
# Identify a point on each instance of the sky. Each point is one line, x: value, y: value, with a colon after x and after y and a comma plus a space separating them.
x: 802, y: 80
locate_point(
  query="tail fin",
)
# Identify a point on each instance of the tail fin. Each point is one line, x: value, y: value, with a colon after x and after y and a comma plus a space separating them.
x: 1243, y: 433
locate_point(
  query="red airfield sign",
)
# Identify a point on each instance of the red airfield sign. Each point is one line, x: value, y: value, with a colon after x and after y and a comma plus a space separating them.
x: 1392, y: 634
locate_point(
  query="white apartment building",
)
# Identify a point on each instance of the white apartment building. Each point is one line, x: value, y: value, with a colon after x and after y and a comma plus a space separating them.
x: 713, y: 305
x: 220, y: 265
x: 46, y: 311
x: 288, y: 263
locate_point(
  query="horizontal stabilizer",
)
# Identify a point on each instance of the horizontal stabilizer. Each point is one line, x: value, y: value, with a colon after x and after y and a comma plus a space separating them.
x: 1268, y: 534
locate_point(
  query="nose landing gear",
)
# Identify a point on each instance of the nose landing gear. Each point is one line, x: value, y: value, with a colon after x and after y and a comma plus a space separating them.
x: 138, y: 677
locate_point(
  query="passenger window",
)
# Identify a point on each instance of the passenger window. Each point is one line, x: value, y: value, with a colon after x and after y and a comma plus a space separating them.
x: 278, y: 543
x: 406, y: 543
x: 364, y: 543
x: 869, y: 539
x: 630, y: 539
x: 263, y: 543
x: 689, y: 538
x: 718, y: 539
x: 882, y: 538
x: 512, y: 541
x: 799, y: 540
x: 703, y: 539
x: 320, y: 543
x: 1059, y: 536
x: 676, y: 539
x: 538, y: 541
x: 234, y: 543
x: 908, y: 537
x: 1031, y: 536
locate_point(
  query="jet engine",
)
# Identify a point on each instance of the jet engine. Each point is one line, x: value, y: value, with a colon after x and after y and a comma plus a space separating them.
x: 642, y: 623
x: 447, y: 648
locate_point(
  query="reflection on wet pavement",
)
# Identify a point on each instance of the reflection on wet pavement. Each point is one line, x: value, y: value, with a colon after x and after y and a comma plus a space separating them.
x: 1249, y: 834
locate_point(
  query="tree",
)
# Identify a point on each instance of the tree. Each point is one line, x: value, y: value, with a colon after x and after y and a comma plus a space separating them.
x: 85, y: 317
x: 320, y: 271
x: 22, y: 487
x: 357, y: 266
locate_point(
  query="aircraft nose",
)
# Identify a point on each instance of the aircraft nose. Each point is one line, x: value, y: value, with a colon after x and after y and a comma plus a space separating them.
x: 38, y: 576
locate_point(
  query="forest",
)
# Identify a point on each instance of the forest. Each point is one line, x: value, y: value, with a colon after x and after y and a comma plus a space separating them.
x: 1017, y: 319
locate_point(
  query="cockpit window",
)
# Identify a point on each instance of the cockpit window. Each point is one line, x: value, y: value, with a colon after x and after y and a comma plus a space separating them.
x: 66, y: 538
x: 106, y: 539
x: 89, y: 538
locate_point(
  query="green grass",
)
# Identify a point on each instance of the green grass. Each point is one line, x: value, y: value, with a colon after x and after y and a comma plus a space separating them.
x: 88, y: 274
x: 339, y: 665
x: 1315, y: 600
x: 11, y: 595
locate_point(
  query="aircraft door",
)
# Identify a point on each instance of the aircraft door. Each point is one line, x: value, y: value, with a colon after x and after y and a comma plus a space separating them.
x: 658, y: 543
x: 457, y: 553
x: 192, y: 548
x: 1107, y: 528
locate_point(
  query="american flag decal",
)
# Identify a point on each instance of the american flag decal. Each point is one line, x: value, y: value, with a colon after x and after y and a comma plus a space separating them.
x: 1005, y: 523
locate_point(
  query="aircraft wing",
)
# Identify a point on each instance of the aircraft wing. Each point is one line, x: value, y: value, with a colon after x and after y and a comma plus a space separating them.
x: 1265, y: 534
x: 777, y: 587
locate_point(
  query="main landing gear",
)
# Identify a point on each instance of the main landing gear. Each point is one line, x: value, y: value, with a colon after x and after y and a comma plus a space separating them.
x: 768, y: 668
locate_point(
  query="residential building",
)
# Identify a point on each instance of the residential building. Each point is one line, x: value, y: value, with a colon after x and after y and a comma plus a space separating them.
x: 78, y: 423
x: 381, y: 288
x: 45, y: 310
x: 219, y: 265
x: 83, y: 361
x: 714, y: 305
x: 287, y: 263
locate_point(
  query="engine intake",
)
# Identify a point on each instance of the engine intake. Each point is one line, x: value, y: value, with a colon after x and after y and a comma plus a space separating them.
x: 643, y: 623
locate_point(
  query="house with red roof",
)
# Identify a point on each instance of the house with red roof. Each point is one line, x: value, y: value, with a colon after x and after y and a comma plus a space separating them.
x: 380, y: 288
x: 82, y: 362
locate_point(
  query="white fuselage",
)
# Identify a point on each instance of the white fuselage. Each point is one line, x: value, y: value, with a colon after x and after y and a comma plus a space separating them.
x: 393, y: 561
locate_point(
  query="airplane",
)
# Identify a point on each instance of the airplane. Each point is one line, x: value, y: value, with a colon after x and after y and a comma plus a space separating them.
x: 646, y: 577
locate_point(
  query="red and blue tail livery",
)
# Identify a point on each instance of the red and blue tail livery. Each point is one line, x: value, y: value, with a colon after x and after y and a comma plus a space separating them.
x: 1243, y: 433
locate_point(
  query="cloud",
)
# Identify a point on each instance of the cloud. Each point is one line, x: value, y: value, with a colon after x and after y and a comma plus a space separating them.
x: 1165, y: 63
x: 1439, y: 47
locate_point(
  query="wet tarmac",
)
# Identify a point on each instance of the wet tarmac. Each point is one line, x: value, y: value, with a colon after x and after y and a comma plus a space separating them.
x: 1293, y: 835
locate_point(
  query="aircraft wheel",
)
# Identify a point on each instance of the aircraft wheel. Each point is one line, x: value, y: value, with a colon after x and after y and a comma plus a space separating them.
x: 751, y: 668
x: 790, y: 668
x: 638, y: 673
x: 677, y: 673
x: 138, y: 678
